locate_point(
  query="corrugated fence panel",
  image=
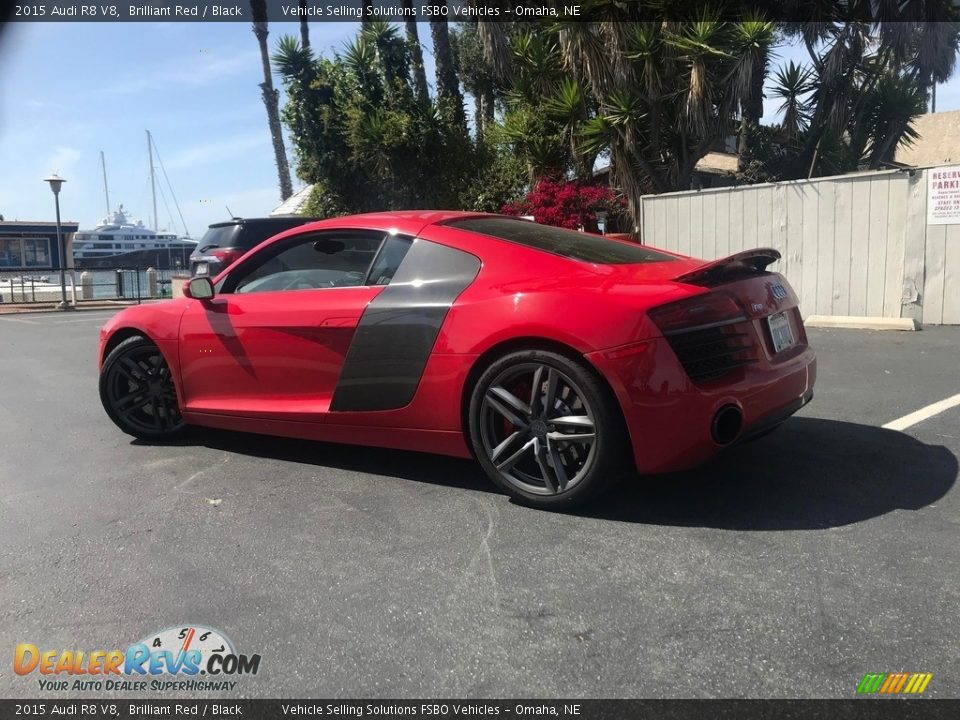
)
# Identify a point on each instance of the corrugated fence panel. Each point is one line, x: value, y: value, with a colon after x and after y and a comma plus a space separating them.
x: 914, y: 248
x: 767, y: 226
x: 708, y: 206
x: 899, y: 193
x: 951, y: 277
x: 826, y: 210
x: 851, y: 245
x: 669, y: 231
x: 736, y: 222
x: 842, y: 226
x: 722, y: 246
x: 792, y: 264
x: 750, y: 236
x: 877, y: 245
x: 696, y: 225
x: 809, y: 254
x: 859, y: 246
x: 934, y: 268
x: 683, y: 226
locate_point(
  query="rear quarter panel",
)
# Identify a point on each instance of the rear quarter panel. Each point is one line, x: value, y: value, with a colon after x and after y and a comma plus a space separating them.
x: 521, y: 292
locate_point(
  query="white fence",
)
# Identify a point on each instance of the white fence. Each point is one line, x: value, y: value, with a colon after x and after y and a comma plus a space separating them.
x: 851, y: 245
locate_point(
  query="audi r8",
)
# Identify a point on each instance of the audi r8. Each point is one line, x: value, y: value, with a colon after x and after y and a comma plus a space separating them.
x: 562, y: 361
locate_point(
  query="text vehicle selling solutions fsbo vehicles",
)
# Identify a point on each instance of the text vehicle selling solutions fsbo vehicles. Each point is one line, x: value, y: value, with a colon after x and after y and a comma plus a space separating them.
x: 560, y: 360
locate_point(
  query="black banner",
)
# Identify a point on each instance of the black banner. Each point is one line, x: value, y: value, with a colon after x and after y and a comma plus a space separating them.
x: 112, y: 709
x: 464, y: 10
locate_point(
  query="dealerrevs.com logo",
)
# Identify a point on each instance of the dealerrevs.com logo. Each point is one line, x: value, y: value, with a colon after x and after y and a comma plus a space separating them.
x: 187, y: 658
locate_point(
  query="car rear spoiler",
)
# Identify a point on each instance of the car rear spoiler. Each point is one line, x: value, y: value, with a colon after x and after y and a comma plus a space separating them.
x: 748, y: 262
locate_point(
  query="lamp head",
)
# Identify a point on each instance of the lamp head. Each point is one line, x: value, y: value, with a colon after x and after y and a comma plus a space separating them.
x: 56, y: 182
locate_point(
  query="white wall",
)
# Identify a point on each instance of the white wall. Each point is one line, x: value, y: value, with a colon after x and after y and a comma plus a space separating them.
x: 851, y: 245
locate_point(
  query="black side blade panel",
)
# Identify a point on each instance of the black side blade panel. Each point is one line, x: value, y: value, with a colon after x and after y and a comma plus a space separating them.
x: 399, y: 328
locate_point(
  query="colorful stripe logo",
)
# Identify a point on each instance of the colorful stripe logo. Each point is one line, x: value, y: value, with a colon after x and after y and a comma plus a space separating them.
x: 894, y: 683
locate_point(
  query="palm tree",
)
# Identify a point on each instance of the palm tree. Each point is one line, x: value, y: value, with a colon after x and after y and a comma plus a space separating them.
x: 792, y: 83
x: 271, y: 98
x: 448, y: 86
x: 667, y: 92
x: 753, y: 40
x: 416, y: 55
x: 894, y: 105
x: 304, y: 28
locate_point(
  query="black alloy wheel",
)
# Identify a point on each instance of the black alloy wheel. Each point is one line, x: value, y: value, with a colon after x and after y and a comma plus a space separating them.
x: 137, y: 391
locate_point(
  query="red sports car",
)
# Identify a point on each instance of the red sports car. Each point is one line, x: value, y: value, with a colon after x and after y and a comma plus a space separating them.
x: 560, y: 360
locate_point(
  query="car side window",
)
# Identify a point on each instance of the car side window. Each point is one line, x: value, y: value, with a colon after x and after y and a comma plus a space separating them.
x: 328, y: 260
x: 388, y: 259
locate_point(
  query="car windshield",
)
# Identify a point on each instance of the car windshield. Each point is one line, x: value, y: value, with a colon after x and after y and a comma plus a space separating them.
x: 568, y: 243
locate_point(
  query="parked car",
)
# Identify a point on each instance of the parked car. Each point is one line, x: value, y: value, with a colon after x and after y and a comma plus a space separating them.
x: 561, y: 361
x: 224, y: 242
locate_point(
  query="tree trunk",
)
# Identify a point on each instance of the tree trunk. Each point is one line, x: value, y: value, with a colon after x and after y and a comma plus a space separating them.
x: 751, y: 110
x: 271, y: 98
x: 304, y: 29
x: 489, y: 106
x: 420, y: 88
x: 478, y: 114
x: 448, y: 87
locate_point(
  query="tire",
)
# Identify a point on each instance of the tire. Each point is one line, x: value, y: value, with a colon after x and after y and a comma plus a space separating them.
x: 516, y: 436
x: 137, y: 391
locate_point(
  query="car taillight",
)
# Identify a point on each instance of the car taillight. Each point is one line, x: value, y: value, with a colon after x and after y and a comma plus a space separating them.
x: 703, y: 311
x: 226, y: 256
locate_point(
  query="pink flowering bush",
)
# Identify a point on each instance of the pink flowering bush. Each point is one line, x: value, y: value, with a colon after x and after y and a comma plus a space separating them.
x: 568, y: 204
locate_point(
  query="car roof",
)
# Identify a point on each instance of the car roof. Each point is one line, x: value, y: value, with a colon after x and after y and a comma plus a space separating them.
x: 409, y: 222
x: 427, y: 217
x: 277, y: 220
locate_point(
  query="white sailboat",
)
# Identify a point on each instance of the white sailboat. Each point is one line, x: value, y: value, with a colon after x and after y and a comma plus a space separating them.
x: 120, y: 240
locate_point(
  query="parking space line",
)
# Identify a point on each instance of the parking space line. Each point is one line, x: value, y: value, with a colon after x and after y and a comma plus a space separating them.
x: 76, y: 321
x: 923, y: 413
x: 19, y: 320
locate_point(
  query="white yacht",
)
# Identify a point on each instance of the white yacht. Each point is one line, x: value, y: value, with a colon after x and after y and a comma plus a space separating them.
x: 117, y: 234
x: 118, y: 240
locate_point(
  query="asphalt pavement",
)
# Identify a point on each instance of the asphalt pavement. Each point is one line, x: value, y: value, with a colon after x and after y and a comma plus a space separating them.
x: 787, y: 567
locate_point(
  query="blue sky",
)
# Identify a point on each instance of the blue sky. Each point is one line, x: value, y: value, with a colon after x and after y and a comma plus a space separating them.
x: 71, y: 90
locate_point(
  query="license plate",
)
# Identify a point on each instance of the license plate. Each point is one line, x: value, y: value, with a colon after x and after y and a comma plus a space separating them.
x: 780, y: 331
x: 202, y: 269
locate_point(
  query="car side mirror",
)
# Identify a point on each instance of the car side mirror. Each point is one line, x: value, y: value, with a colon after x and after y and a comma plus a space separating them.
x: 200, y: 288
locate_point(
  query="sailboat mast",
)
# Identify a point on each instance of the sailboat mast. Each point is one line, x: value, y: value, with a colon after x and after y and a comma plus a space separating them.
x: 153, y: 186
x: 106, y: 192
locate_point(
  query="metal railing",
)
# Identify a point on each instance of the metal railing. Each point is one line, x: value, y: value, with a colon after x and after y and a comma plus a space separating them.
x: 42, y: 285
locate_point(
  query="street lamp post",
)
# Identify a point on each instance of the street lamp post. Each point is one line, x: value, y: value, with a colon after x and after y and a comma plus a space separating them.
x: 56, y: 182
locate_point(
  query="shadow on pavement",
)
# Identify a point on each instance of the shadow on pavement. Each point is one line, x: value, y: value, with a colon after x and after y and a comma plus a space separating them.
x: 419, y: 467
x: 811, y: 473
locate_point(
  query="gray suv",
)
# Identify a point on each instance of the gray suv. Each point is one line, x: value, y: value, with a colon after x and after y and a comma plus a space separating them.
x: 224, y: 242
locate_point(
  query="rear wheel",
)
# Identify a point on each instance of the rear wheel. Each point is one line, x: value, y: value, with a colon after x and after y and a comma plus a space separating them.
x: 546, y: 429
x: 136, y: 389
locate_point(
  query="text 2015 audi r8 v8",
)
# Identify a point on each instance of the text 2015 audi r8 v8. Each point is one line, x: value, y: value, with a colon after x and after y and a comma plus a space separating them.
x: 560, y: 360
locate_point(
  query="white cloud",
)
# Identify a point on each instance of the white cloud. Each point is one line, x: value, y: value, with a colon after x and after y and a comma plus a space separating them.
x: 214, y: 152
x: 205, y: 69
x: 209, y: 68
x: 63, y: 160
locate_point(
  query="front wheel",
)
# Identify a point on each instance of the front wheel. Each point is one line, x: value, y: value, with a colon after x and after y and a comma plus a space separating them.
x: 136, y: 389
x: 547, y: 430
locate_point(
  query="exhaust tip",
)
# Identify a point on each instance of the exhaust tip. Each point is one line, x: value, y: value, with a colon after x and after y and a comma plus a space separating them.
x: 726, y: 424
